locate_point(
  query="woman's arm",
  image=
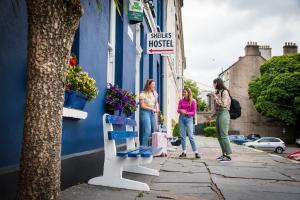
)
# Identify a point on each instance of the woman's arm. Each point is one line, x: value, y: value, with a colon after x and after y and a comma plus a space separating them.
x: 179, y: 109
x: 193, y: 108
x: 224, y: 101
x: 144, y: 106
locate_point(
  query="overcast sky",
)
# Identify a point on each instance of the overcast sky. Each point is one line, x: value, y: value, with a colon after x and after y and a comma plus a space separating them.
x: 216, y: 31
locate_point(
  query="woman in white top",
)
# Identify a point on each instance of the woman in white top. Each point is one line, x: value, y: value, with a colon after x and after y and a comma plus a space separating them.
x: 149, y: 106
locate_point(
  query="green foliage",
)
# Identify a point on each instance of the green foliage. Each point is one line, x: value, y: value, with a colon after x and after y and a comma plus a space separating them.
x: 173, y: 123
x: 79, y: 81
x: 276, y: 93
x: 176, y: 132
x: 140, y: 195
x: 210, y: 128
x: 201, y: 105
x: 161, y: 118
x: 210, y: 131
x: 211, y: 123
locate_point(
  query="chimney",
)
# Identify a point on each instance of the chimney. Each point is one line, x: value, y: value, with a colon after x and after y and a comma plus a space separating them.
x: 252, y: 49
x: 290, y: 47
x: 265, y: 51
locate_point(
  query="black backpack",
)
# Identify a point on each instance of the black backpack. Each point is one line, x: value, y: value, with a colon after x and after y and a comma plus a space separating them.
x: 235, y: 108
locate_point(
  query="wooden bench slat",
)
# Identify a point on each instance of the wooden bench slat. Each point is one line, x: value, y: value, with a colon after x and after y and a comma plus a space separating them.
x: 118, y: 120
x: 112, y: 135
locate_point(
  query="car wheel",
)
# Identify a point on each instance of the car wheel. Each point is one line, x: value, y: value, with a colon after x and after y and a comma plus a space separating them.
x: 251, y: 146
x: 279, y: 150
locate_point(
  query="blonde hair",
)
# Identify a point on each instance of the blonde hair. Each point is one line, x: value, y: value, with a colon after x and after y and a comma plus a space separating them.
x: 147, y: 85
x: 190, y: 97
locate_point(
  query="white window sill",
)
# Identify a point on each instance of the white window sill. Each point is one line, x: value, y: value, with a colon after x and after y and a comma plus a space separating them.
x: 74, y: 113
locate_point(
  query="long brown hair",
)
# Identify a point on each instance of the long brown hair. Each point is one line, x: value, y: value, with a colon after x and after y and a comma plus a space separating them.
x: 190, y: 96
x: 220, y: 85
x: 147, y: 85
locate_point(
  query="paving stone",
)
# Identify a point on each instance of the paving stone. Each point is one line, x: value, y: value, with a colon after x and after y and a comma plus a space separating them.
x: 247, y: 172
x: 179, y: 177
x: 257, y: 189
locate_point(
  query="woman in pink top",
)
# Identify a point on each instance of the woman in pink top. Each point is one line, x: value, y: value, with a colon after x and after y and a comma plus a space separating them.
x: 187, y: 108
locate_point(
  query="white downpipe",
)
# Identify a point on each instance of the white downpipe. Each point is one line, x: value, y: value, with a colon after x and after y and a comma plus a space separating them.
x: 111, y: 44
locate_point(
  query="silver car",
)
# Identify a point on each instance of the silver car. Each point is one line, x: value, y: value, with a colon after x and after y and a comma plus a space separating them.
x: 268, y: 144
x: 298, y: 142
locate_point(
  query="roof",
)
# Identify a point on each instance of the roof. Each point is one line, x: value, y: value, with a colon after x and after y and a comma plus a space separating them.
x: 241, y: 57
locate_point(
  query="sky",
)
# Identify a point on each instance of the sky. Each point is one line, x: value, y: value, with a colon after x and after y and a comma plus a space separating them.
x: 217, y: 31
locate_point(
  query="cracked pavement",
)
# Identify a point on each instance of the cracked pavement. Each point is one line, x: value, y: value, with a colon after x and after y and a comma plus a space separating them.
x: 252, y: 175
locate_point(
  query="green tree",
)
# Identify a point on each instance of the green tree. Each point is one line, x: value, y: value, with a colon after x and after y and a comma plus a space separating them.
x: 276, y: 93
x: 201, y: 105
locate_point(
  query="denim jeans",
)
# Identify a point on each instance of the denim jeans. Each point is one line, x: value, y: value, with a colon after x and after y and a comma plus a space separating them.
x: 222, y: 126
x: 186, y: 124
x: 147, y: 126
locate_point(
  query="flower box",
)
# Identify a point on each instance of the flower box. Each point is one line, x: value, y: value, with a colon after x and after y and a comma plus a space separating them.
x: 74, y: 99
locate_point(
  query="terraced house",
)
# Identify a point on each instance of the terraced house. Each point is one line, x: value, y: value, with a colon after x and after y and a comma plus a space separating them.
x: 112, y: 48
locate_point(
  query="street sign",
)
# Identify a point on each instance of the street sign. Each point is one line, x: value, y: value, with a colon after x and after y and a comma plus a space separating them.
x: 161, y: 43
x: 135, y: 11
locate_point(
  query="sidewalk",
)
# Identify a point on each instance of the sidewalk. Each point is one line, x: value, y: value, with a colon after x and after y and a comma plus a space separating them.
x: 252, y: 175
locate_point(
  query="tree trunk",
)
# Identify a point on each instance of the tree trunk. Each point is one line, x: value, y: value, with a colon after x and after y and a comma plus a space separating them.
x: 52, y: 25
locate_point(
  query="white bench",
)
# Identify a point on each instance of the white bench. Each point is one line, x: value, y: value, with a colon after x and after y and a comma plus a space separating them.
x: 129, y: 160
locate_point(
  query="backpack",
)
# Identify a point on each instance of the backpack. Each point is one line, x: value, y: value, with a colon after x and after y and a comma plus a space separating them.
x: 235, y: 108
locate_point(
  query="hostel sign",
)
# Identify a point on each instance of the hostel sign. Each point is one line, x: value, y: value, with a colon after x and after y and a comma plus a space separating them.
x: 161, y: 43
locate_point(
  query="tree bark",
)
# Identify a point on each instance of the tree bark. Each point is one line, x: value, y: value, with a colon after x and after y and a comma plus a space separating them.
x: 52, y: 25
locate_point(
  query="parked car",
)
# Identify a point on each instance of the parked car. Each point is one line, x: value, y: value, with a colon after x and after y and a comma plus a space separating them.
x: 253, y: 137
x: 238, y: 139
x: 268, y: 144
x: 295, y: 155
x: 298, y: 142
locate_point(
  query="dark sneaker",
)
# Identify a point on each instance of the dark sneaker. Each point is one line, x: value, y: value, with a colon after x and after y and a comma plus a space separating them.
x: 197, y: 155
x: 183, y: 155
x: 225, y: 159
x: 220, y: 158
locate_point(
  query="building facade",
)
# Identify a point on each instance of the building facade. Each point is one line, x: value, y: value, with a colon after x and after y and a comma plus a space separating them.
x: 173, y: 64
x: 236, y: 79
x: 111, y: 49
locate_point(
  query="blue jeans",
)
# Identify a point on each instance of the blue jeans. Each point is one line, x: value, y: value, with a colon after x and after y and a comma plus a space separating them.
x: 186, y: 124
x: 147, y: 126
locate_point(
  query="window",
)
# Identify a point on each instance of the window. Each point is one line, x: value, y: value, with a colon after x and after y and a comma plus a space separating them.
x: 274, y: 140
x: 265, y: 140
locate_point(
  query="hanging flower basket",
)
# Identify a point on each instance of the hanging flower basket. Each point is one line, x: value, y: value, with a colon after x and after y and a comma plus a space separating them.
x: 79, y: 87
x: 75, y: 100
x: 119, y: 101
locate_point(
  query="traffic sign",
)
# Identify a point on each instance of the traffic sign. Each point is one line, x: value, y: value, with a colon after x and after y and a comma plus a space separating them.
x: 161, y: 43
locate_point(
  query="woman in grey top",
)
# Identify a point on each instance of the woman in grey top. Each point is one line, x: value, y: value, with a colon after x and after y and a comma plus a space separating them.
x: 222, y: 101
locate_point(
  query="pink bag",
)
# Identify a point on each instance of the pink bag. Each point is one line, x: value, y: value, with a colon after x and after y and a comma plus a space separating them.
x: 160, y: 140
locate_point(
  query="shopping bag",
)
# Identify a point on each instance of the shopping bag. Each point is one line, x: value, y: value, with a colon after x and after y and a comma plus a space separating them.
x: 160, y: 140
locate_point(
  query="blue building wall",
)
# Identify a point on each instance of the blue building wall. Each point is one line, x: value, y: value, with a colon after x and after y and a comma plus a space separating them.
x: 13, y: 60
x: 78, y: 135
x: 91, y: 45
x: 84, y: 135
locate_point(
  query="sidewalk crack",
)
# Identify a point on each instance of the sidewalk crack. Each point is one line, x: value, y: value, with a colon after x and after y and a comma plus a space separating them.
x: 214, y: 186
